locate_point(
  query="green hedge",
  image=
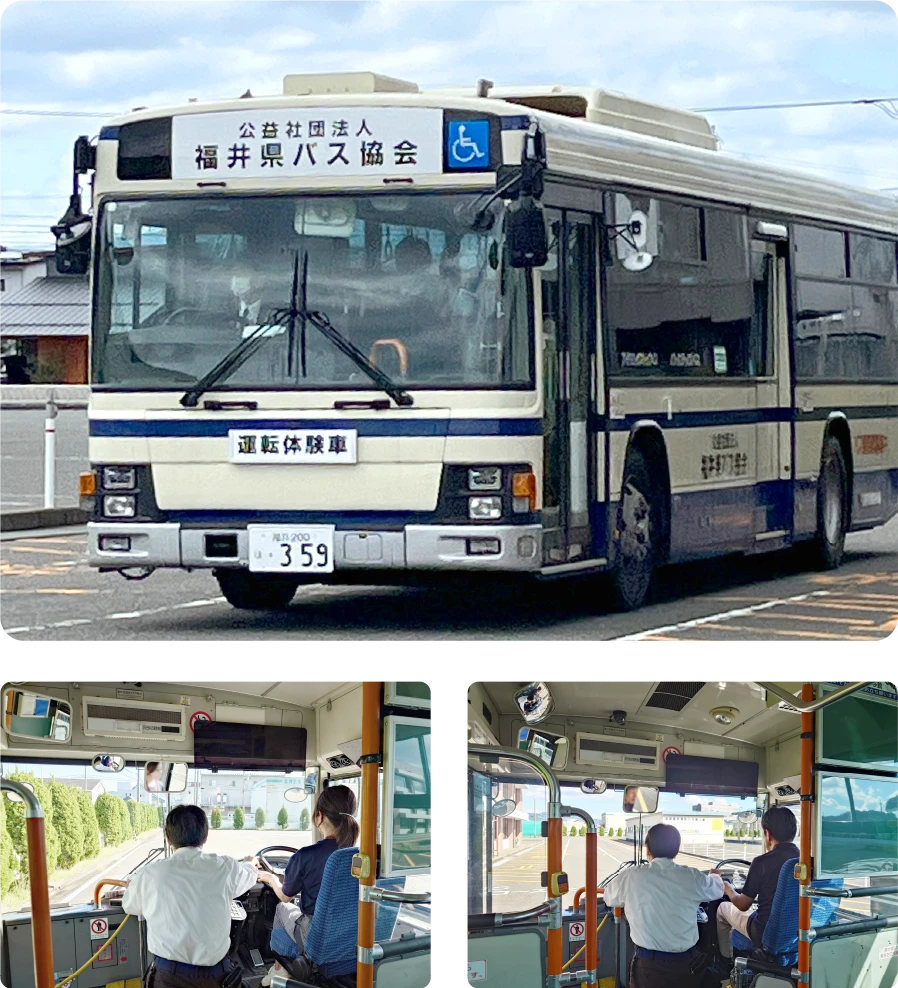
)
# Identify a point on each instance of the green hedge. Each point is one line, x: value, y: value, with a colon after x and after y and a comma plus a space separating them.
x: 215, y: 821
x: 238, y: 818
x: 15, y: 821
x: 90, y: 847
x: 67, y: 819
x: 109, y: 819
x: 260, y: 818
x: 305, y: 819
x: 9, y: 860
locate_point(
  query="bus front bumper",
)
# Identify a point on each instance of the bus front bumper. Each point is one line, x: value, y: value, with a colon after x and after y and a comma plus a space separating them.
x: 479, y: 548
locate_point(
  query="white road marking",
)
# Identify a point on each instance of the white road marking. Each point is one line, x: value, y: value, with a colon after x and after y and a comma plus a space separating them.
x: 120, y: 616
x: 723, y: 616
x: 110, y: 869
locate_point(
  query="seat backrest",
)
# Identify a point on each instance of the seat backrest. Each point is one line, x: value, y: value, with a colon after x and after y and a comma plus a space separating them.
x: 781, y: 932
x: 333, y: 933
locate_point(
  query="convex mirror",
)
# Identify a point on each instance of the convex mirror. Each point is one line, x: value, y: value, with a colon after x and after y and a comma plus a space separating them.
x: 504, y: 807
x: 295, y: 795
x: 593, y: 787
x: 165, y: 776
x: 535, y: 702
x: 640, y: 799
x: 33, y: 715
x: 108, y: 763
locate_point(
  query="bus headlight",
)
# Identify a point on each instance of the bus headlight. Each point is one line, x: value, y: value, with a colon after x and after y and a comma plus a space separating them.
x: 119, y: 505
x: 119, y: 478
x: 484, y: 508
x: 485, y: 479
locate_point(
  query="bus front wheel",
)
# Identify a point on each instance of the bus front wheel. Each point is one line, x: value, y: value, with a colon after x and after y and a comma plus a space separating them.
x: 832, y: 506
x: 638, y: 531
x: 256, y: 591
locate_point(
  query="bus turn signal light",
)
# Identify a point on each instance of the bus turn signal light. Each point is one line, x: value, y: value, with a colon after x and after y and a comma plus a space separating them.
x: 523, y: 489
x: 87, y: 484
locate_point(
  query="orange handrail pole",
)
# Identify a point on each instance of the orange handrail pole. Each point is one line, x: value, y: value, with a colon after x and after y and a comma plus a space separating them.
x: 123, y: 882
x: 592, y: 892
x: 368, y: 832
x: 804, y: 861
x: 36, y: 847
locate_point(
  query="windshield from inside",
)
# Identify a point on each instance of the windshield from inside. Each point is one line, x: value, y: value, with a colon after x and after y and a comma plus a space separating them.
x: 405, y: 278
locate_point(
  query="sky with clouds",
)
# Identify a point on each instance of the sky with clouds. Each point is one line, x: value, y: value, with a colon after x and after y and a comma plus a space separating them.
x: 108, y: 56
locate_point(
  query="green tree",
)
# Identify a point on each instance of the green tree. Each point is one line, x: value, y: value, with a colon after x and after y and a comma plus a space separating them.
x: 601, y: 831
x: 161, y: 812
x: 109, y: 819
x: 620, y: 831
x: 15, y: 821
x: 564, y: 830
x: 125, y: 817
x: 583, y: 831
x: 238, y: 818
x: 9, y: 860
x: 305, y: 821
x: 90, y: 846
x: 215, y: 821
x: 260, y: 818
x: 67, y: 819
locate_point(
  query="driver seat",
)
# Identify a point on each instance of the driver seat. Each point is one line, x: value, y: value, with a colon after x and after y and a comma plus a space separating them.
x: 780, y: 938
x: 329, y: 951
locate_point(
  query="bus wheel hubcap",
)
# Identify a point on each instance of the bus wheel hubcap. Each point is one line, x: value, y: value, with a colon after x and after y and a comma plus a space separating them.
x: 832, y: 504
x: 635, y: 539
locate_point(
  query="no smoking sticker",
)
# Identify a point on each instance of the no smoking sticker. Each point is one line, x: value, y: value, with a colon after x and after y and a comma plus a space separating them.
x: 198, y: 716
x: 99, y: 929
x: 577, y: 931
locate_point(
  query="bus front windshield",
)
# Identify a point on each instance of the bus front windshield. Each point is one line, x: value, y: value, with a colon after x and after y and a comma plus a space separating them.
x: 405, y: 278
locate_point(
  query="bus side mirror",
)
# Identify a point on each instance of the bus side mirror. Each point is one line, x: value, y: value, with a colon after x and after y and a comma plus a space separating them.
x: 73, y: 230
x: 525, y: 234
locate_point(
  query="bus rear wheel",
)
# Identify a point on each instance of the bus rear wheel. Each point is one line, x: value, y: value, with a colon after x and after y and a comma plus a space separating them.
x: 256, y: 591
x: 832, y: 506
x: 638, y: 526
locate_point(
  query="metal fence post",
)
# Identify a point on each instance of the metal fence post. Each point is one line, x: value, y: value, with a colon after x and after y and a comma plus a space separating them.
x: 50, y: 452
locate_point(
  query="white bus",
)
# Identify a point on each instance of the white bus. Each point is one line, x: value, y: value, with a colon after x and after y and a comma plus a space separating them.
x: 362, y: 333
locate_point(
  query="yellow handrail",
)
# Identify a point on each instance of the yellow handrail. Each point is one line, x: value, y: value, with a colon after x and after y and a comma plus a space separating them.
x: 580, y: 951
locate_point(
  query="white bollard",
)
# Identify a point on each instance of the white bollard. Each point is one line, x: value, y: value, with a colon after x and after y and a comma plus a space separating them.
x: 50, y: 453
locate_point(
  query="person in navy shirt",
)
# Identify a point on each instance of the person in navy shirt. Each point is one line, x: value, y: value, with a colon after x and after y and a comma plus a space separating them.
x: 334, y: 817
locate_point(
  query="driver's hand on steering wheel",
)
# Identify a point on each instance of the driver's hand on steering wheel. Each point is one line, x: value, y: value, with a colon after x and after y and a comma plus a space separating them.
x: 264, y: 877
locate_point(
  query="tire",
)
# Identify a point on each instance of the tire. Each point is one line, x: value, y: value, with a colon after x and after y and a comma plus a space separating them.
x: 639, y: 532
x: 255, y: 591
x: 832, y: 506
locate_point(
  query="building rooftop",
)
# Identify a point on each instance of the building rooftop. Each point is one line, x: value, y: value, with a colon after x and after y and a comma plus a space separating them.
x: 58, y: 305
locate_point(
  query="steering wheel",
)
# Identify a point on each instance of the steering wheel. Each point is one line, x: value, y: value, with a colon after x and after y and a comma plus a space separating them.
x: 267, y: 865
x: 170, y: 318
x: 733, y: 861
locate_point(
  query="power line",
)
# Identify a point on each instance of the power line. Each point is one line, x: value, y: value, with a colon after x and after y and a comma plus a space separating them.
x: 57, y: 113
x: 883, y: 102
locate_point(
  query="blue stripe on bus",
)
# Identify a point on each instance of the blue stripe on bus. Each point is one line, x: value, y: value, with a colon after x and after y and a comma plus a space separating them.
x: 365, y: 427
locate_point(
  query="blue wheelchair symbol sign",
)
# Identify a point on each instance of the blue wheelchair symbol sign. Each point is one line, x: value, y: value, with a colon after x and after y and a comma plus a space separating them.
x: 468, y: 144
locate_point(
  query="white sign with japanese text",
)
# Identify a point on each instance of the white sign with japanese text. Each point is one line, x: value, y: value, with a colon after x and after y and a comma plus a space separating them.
x: 312, y: 142
x: 293, y: 445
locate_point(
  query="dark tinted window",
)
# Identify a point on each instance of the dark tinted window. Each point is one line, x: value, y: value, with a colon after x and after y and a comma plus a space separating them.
x: 144, y: 149
x: 819, y: 252
x: 692, y: 312
x: 872, y: 259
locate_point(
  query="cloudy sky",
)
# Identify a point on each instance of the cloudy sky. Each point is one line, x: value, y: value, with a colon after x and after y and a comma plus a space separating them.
x: 108, y: 56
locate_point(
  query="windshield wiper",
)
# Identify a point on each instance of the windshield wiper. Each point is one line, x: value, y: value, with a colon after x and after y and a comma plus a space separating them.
x: 230, y: 362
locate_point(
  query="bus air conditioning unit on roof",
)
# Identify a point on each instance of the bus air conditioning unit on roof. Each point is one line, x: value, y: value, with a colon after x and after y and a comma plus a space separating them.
x: 104, y: 717
x: 614, y: 752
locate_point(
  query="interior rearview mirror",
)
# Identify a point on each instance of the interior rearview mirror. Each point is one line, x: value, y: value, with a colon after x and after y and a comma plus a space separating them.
x: 640, y: 799
x: 165, y: 776
x: 535, y: 702
x: 504, y: 807
x: 32, y: 715
x: 14, y: 797
x: 525, y: 234
x: 295, y: 795
x: 108, y: 763
x: 593, y: 787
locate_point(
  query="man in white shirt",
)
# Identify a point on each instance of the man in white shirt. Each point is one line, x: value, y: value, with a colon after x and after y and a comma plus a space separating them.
x: 660, y: 902
x: 186, y: 902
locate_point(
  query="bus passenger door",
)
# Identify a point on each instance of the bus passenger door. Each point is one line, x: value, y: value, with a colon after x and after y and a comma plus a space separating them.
x: 769, y: 363
x: 569, y: 333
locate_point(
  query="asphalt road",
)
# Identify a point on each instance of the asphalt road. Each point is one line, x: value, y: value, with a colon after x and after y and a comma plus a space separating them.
x: 22, y: 457
x: 49, y: 593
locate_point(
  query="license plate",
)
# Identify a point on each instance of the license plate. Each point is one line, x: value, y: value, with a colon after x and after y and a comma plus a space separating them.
x: 293, y: 445
x: 287, y: 549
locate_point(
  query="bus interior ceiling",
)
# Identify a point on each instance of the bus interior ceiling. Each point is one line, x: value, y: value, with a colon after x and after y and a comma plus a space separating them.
x: 253, y: 755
